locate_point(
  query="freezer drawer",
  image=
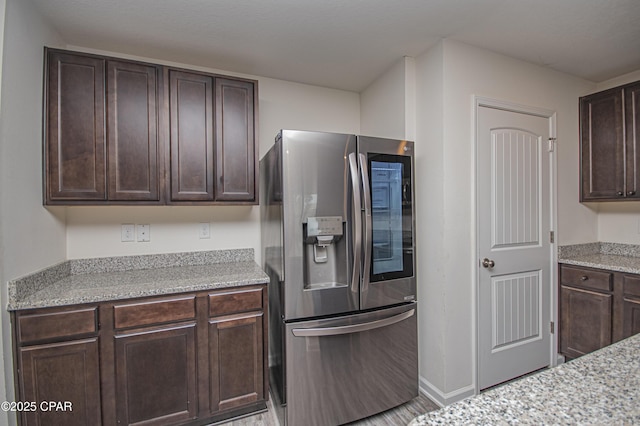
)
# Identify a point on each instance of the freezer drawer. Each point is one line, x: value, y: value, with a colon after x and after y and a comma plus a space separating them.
x: 343, y: 369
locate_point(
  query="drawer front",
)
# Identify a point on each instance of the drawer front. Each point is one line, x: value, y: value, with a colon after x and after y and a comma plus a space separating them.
x: 586, y: 278
x: 231, y: 302
x: 632, y: 286
x: 57, y: 325
x: 154, y: 312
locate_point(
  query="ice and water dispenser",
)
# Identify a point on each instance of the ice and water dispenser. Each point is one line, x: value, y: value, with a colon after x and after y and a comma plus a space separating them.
x: 325, y: 252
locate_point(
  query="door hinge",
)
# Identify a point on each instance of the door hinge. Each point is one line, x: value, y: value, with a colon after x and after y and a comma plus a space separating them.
x: 552, y: 237
x: 552, y: 144
x: 552, y: 327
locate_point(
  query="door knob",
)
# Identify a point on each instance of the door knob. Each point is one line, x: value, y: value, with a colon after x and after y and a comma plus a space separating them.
x: 488, y: 263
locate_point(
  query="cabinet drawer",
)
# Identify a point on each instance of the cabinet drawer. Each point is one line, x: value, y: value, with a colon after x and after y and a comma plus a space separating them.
x: 632, y: 286
x: 230, y: 302
x: 154, y: 312
x: 56, y: 325
x: 586, y: 278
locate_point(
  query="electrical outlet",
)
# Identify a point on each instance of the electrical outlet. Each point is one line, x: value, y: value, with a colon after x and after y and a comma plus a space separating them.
x: 144, y: 233
x: 128, y: 233
x: 204, y: 231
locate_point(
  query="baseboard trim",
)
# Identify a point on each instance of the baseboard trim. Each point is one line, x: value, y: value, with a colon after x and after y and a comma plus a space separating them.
x: 441, y: 398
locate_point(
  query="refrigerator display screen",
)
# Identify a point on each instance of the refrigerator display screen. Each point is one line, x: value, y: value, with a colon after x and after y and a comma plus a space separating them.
x: 392, y: 237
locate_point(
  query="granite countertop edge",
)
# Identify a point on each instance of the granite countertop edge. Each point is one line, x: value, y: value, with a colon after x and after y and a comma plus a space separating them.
x: 602, y: 255
x: 85, y: 281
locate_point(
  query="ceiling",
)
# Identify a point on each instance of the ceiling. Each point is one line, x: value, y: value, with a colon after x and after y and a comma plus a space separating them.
x: 346, y: 44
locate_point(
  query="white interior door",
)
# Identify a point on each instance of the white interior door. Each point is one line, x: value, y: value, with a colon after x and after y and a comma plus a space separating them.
x: 514, y: 224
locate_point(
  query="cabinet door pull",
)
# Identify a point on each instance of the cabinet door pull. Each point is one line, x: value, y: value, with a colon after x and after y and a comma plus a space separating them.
x: 631, y: 193
x: 620, y: 193
x: 584, y: 278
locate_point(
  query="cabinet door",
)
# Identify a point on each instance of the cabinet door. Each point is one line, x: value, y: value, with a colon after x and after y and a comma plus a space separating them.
x: 191, y: 123
x: 75, y: 166
x: 602, y: 146
x: 236, y: 362
x: 632, y: 123
x: 235, y: 141
x: 156, y: 375
x: 62, y: 372
x: 585, y: 323
x: 132, y: 129
x: 631, y: 306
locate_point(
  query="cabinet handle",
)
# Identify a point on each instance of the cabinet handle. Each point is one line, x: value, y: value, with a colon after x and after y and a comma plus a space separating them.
x: 631, y: 193
x: 584, y: 278
x: 620, y: 193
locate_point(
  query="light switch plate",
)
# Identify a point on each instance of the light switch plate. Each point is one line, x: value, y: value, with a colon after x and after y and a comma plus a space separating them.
x: 144, y: 233
x: 128, y: 233
x: 204, y: 231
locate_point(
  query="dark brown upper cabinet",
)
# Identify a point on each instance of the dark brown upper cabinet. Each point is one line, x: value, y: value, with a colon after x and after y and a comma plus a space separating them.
x: 236, y: 165
x: 213, y: 144
x: 127, y: 132
x: 132, y: 128
x: 609, y: 132
x: 75, y: 164
x: 102, y: 130
x: 192, y: 141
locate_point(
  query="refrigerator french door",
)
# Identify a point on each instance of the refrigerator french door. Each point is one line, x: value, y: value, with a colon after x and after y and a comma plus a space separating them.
x: 337, y: 222
x: 388, y: 238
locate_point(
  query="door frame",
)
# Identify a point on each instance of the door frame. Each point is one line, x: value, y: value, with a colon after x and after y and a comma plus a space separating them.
x: 550, y: 115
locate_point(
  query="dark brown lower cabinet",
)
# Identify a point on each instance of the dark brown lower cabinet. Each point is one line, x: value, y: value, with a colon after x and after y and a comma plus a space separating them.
x: 156, y: 375
x: 631, y: 317
x: 190, y: 358
x: 236, y: 362
x: 585, y: 322
x: 631, y: 305
x: 66, y: 372
x: 597, y: 308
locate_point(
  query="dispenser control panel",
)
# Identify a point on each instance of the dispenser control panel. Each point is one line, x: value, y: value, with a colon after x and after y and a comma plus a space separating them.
x: 324, y: 225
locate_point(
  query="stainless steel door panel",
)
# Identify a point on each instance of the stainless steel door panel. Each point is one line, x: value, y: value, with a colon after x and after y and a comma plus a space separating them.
x: 316, y: 184
x: 397, y: 237
x: 351, y: 367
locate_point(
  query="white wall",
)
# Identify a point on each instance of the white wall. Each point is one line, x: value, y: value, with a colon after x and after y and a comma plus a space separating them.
x: 31, y: 237
x: 432, y: 317
x: 449, y: 271
x: 95, y: 231
x: 382, y: 105
x: 387, y: 106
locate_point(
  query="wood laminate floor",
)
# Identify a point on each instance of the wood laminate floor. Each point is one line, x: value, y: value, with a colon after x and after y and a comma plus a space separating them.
x: 400, y: 415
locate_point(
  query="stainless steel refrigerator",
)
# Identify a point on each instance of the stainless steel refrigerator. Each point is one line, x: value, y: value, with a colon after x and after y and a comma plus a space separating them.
x: 338, y: 243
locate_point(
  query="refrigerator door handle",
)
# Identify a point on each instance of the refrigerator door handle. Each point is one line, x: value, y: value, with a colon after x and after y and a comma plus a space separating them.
x: 355, y: 328
x: 357, y: 223
x: 364, y: 174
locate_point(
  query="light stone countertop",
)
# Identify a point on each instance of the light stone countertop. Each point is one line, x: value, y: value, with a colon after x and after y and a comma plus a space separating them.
x: 601, y: 388
x: 104, y: 279
x: 610, y: 256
